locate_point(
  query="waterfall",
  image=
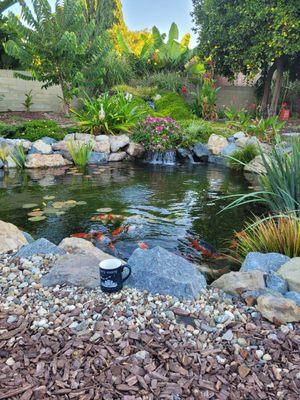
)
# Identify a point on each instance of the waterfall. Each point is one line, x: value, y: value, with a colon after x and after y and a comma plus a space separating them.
x: 161, y: 157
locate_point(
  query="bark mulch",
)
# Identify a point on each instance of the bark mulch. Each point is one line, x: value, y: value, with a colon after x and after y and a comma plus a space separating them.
x: 112, y: 362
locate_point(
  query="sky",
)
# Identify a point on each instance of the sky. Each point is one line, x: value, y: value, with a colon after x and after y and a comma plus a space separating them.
x: 141, y: 14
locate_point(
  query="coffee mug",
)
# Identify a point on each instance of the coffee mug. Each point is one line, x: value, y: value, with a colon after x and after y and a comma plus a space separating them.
x: 111, y: 278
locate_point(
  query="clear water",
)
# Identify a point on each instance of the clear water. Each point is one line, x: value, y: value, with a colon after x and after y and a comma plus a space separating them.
x: 165, y: 204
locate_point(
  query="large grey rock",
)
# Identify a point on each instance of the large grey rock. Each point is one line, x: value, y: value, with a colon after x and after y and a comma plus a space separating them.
x: 11, y: 238
x: 80, y: 270
x: 295, y: 296
x: 220, y: 160
x: 290, y: 271
x: 159, y: 271
x: 28, y: 237
x: 265, y: 262
x: 229, y: 150
x: 45, y: 161
x: 240, y: 282
x: 115, y: 157
x: 239, y: 135
x: 40, y: 147
x: 276, y: 283
x: 80, y: 246
x: 256, y: 166
x: 201, y: 152
x: 48, y: 140
x: 136, y: 150
x: 102, y: 144
x: 216, y: 144
x: 40, y: 246
x: 98, y: 158
x: 118, y: 142
x: 278, y: 309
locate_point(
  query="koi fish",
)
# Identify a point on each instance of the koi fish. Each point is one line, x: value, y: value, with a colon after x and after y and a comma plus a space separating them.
x: 143, y: 245
x: 118, y: 231
x: 82, y: 235
x: 207, y: 249
x: 112, y: 246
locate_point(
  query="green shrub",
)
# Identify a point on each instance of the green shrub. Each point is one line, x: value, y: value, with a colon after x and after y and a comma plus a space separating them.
x: 174, y: 106
x: 143, y: 92
x: 198, y: 130
x: 9, y: 131
x: 37, y: 129
x: 110, y: 114
x: 167, y: 81
x: 243, y: 156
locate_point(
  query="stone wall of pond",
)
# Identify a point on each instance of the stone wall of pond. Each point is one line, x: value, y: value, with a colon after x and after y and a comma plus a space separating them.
x: 14, y: 89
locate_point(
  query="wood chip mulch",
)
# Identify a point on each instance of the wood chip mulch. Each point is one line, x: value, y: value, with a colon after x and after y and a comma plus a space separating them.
x: 112, y: 362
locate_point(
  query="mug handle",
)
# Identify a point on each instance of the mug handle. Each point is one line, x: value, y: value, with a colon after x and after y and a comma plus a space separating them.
x: 129, y: 273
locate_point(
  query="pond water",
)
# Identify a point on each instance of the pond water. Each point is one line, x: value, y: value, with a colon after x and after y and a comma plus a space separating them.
x: 163, y: 205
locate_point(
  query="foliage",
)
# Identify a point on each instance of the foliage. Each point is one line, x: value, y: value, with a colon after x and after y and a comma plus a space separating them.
x: 278, y: 234
x: 5, y: 34
x: 143, y: 92
x: 239, y: 119
x: 280, y: 185
x: 166, y: 80
x: 106, y: 13
x: 251, y: 37
x: 7, y: 130
x: 58, y: 48
x: 19, y: 156
x: 205, y: 99
x: 3, y: 153
x: 266, y: 129
x: 37, y: 129
x: 28, y: 102
x: 110, y: 114
x: 173, y: 105
x: 157, y: 52
x: 157, y: 133
x: 199, y: 131
x: 243, y: 156
x: 80, y: 153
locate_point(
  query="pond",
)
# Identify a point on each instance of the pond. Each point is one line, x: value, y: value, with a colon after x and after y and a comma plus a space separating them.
x: 162, y: 205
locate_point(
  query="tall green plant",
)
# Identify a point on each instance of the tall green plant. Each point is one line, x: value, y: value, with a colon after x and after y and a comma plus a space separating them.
x: 80, y: 153
x: 280, y: 185
x: 56, y: 48
x: 19, y: 157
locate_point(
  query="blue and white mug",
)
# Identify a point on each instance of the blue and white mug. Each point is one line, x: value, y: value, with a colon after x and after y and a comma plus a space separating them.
x: 111, y: 275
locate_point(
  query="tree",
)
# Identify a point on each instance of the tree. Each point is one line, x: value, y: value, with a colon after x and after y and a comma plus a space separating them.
x: 58, y: 48
x: 5, y: 60
x: 105, y: 13
x: 253, y: 36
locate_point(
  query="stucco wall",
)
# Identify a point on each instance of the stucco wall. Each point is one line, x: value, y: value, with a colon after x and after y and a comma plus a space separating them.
x: 14, y: 90
x: 238, y: 96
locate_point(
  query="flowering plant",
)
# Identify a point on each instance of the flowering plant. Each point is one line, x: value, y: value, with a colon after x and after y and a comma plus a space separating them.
x: 157, y: 133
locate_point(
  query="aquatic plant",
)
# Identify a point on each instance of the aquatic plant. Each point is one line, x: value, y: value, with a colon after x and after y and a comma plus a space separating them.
x: 280, y: 185
x: 279, y: 234
x: 19, y: 156
x: 157, y: 133
x: 243, y: 156
x: 80, y: 153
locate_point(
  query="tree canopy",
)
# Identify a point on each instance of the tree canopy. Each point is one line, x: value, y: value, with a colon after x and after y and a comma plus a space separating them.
x: 253, y: 36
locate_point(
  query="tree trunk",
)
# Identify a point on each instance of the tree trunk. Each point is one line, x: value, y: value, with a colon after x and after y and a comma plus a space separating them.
x: 277, y: 86
x: 266, y: 93
x: 66, y: 104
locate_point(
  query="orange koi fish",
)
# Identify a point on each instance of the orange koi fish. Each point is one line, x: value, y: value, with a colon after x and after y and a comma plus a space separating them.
x: 82, y: 235
x: 118, y: 231
x: 143, y: 245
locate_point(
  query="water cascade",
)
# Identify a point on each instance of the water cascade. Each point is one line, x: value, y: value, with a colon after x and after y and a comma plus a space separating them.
x: 161, y: 157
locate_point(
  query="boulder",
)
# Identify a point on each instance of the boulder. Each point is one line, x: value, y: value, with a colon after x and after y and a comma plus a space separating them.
x: 80, y: 270
x: 98, y: 158
x: 102, y: 144
x: 40, y: 147
x: 239, y: 135
x: 241, y: 142
x: 290, y: 271
x: 48, y: 140
x: 216, y: 144
x: 295, y: 296
x: 239, y: 282
x: 201, y: 152
x: 265, y: 262
x: 256, y: 166
x: 80, y: 246
x: 229, y: 149
x: 61, y: 145
x: 159, y: 271
x: 11, y: 238
x: 278, y: 309
x: 251, y: 296
x: 135, y: 150
x: 117, y: 156
x: 118, y: 142
x: 45, y: 161
x: 220, y: 160
x: 84, y: 137
x: 28, y: 237
x: 275, y: 282
x: 40, y: 246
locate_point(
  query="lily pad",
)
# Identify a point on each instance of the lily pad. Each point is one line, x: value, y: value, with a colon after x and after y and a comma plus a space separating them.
x: 58, y: 213
x: 50, y: 210
x: 35, y: 213
x: 104, y: 210
x: 37, y: 219
x: 81, y: 203
x: 29, y: 205
x: 49, y: 198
